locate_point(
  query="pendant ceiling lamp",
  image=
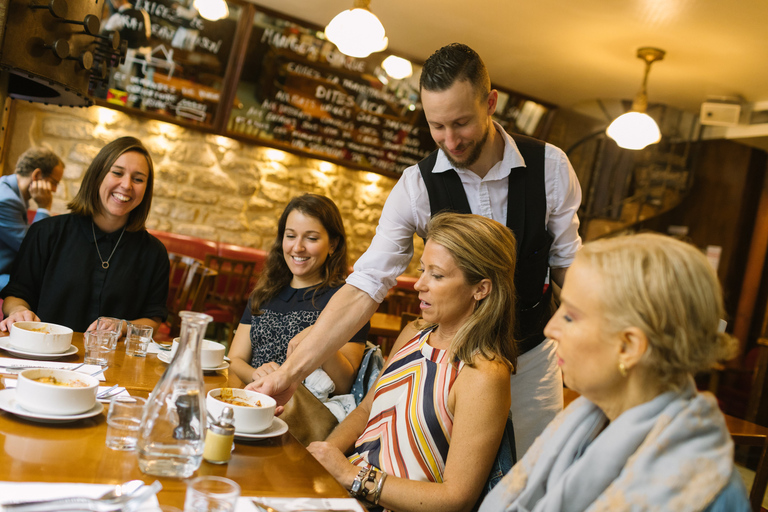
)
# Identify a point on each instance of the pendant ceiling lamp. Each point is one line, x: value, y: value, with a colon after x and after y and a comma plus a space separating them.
x: 357, y: 32
x: 212, y: 10
x: 636, y: 129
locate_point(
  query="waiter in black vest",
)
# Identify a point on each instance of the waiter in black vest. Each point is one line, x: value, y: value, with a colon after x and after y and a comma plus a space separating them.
x: 526, y: 184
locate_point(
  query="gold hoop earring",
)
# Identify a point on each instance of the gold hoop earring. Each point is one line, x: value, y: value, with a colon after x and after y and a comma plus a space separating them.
x: 623, y: 370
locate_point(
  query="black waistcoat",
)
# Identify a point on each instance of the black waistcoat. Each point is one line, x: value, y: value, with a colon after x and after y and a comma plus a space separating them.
x: 526, y: 211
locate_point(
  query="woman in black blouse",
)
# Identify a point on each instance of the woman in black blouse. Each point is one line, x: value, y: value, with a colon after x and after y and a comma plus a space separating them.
x: 99, y: 259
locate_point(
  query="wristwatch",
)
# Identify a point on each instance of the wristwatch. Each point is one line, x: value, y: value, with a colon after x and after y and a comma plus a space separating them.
x: 358, y: 483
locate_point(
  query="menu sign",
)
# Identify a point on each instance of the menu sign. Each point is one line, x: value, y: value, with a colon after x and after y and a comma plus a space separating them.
x: 299, y: 92
x: 176, y: 60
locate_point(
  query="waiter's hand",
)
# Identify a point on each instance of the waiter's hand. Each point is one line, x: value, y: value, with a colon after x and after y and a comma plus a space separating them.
x: 277, y: 385
x: 23, y: 315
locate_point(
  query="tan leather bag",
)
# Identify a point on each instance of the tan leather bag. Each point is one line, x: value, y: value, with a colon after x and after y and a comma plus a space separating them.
x: 307, y: 418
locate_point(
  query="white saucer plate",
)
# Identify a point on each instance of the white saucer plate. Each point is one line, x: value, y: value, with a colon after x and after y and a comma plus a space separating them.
x: 8, y: 404
x: 5, y: 344
x: 278, y: 428
x: 166, y: 358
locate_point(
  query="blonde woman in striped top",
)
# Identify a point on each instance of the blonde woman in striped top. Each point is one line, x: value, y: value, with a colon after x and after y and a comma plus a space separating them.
x: 426, y: 436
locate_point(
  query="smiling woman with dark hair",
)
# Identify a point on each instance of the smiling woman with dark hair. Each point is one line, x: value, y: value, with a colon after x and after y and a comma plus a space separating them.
x: 99, y: 260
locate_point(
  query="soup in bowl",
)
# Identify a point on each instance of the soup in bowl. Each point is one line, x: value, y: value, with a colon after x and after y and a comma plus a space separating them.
x: 56, y: 392
x: 40, y: 337
x: 253, y: 412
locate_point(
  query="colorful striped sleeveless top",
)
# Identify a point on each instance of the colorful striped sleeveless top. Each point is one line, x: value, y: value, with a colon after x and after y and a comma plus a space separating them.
x: 409, y: 428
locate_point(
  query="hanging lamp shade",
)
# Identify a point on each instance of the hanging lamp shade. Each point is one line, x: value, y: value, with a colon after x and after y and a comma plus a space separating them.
x: 212, y: 10
x: 357, y: 32
x: 636, y: 129
x: 397, y: 67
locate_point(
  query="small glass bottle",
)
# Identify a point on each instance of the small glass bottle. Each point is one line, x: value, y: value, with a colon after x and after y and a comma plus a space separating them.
x: 219, y: 438
x: 173, y: 423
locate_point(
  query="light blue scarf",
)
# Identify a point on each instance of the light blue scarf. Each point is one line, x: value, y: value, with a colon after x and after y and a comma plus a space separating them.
x: 672, y: 453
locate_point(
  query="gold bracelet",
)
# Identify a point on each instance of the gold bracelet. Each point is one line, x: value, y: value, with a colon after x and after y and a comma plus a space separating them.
x: 377, y: 492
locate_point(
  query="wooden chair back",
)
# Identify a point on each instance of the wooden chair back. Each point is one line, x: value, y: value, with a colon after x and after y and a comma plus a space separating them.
x: 190, y: 283
x: 232, y: 284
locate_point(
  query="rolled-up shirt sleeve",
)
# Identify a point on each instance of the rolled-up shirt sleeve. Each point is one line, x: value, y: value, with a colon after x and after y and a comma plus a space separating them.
x: 563, y: 200
x: 391, y: 249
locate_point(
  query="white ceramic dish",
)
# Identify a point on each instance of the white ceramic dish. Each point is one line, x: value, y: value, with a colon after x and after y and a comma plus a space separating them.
x: 55, y: 400
x: 40, y: 337
x: 278, y: 428
x: 8, y: 403
x: 166, y: 358
x: 5, y: 344
x: 211, y: 353
x: 248, y: 420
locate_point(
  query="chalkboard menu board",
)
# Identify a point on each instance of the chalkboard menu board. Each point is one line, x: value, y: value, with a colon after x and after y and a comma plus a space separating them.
x: 271, y: 79
x: 176, y: 60
x: 298, y: 91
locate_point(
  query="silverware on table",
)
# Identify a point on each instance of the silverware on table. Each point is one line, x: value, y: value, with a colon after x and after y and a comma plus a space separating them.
x: 15, y: 367
x: 94, y: 374
x: 106, y: 393
x: 127, y: 497
x: 161, y: 346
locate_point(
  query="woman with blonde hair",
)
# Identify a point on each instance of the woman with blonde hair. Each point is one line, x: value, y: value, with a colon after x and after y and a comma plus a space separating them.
x: 638, y: 319
x: 426, y: 436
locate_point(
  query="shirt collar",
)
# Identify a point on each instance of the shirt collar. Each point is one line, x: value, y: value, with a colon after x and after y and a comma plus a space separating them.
x: 510, y: 160
x: 287, y: 293
x: 12, y: 182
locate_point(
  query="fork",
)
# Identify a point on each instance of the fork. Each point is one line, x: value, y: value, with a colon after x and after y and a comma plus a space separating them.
x: 14, y: 367
x: 106, y: 393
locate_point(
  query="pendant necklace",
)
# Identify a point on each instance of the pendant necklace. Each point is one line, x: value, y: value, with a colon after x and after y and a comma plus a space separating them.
x: 105, y: 264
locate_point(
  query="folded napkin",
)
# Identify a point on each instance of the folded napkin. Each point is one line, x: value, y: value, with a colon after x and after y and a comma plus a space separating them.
x: 31, y: 363
x: 289, y: 504
x: 29, y: 491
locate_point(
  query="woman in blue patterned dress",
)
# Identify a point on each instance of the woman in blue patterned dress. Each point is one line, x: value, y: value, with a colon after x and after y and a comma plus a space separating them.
x: 304, y: 268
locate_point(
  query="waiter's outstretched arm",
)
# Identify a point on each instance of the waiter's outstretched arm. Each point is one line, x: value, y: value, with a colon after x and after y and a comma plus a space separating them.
x: 346, y: 313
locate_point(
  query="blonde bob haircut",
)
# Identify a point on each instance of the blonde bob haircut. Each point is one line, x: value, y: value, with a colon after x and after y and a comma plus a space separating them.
x: 668, y: 289
x: 87, y: 202
x: 482, y: 249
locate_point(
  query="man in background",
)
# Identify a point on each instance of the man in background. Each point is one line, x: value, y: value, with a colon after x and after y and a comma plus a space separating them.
x: 38, y: 172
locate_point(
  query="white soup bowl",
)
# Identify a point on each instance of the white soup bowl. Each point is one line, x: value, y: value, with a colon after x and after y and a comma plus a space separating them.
x: 248, y: 420
x: 40, y: 337
x: 75, y: 392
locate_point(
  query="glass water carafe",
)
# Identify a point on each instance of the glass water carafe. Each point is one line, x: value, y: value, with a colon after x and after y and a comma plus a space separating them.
x: 173, y: 423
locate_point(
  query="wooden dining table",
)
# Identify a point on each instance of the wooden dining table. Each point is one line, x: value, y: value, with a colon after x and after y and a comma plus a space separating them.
x: 76, y: 452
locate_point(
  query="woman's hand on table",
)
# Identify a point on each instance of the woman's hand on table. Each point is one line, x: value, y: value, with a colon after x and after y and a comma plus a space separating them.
x: 335, y: 462
x: 22, y: 315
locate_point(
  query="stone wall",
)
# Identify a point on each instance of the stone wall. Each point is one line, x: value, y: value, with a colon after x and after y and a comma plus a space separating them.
x: 206, y: 186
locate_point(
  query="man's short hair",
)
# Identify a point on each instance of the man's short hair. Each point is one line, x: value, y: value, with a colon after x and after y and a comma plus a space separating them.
x: 451, y: 64
x: 37, y: 158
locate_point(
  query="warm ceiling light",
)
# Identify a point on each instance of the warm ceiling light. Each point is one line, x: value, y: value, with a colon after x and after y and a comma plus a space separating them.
x: 636, y: 129
x: 212, y: 10
x: 357, y: 32
x: 397, y: 67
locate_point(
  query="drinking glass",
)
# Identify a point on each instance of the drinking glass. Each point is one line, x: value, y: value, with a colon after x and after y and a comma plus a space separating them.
x: 98, y: 346
x: 137, y: 339
x: 211, y: 494
x: 123, y: 422
x: 106, y: 323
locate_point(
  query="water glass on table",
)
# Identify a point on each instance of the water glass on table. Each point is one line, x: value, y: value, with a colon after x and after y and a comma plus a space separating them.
x: 211, y: 494
x: 123, y: 422
x: 137, y: 339
x: 98, y: 346
x: 107, y: 323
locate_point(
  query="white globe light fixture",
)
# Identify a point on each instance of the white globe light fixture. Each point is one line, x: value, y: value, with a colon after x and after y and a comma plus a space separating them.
x: 397, y: 67
x: 212, y: 10
x: 357, y: 32
x: 636, y: 129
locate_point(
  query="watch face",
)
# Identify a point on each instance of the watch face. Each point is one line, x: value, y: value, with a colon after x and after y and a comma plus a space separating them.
x: 356, y: 486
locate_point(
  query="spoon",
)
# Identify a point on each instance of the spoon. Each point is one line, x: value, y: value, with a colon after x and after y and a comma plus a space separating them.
x: 14, y: 367
x: 100, y: 371
x: 105, y: 393
x: 116, y: 499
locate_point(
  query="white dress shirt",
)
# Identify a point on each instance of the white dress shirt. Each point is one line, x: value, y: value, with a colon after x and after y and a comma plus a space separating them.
x: 407, y: 211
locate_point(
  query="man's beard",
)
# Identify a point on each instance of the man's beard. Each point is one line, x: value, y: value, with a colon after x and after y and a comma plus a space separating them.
x: 472, y: 157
